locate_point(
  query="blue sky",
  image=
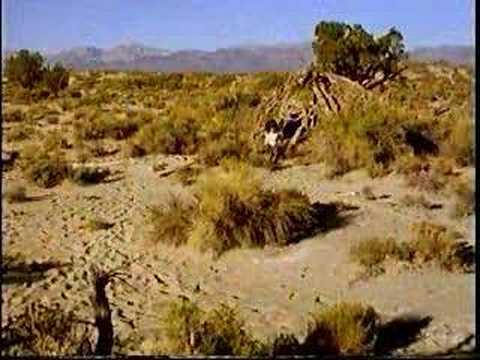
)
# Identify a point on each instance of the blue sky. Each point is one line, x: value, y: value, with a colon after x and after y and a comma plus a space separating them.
x: 209, y: 24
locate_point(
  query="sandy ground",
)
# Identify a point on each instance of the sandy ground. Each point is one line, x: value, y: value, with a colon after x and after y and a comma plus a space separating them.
x: 274, y: 289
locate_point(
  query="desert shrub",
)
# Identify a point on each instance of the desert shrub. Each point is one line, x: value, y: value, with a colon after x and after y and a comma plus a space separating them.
x: 342, y: 329
x: 87, y: 175
x: 232, y: 210
x: 235, y: 212
x: 429, y: 243
x: 43, y: 166
x: 353, y: 52
x: 285, y: 344
x: 464, y: 200
x: 16, y: 193
x: 167, y: 136
x: 172, y: 222
x: 190, y: 330
x: 55, y: 78
x: 422, y: 174
x: 101, y: 125
x: 433, y: 242
x: 373, y: 251
x: 41, y: 331
x: 24, y: 68
x: 459, y: 145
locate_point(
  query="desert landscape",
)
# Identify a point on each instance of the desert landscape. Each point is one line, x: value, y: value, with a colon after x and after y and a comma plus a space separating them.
x: 141, y: 214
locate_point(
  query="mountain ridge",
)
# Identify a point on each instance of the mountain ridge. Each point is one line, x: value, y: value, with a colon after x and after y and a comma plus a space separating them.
x: 243, y: 58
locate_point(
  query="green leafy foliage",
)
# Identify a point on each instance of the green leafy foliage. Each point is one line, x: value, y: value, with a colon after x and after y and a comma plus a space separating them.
x: 352, y: 52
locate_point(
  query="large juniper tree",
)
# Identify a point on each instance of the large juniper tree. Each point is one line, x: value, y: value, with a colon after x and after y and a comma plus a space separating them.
x: 353, y: 52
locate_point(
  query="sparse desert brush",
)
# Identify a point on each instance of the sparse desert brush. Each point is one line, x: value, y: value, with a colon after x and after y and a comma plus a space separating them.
x: 429, y: 243
x: 372, y: 252
x: 87, y: 175
x: 102, y: 125
x: 459, y: 145
x: 234, y: 211
x: 434, y: 242
x: 45, y: 167
x: 190, y: 330
x: 464, y: 200
x: 343, y: 328
x: 363, y: 134
x: 422, y: 174
x: 15, y: 193
x: 172, y: 222
x: 44, y: 331
x: 167, y: 136
x: 285, y: 344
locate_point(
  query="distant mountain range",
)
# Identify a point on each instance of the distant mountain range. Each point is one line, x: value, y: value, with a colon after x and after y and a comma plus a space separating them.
x: 281, y: 57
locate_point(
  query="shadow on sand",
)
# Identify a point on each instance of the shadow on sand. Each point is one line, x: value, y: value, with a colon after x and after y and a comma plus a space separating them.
x: 399, y: 333
x: 14, y: 273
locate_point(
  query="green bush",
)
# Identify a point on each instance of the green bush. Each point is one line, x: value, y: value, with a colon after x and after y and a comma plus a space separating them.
x: 55, y: 78
x: 192, y: 331
x: 25, y: 68
x: 352, y: 52
x: 43, y: 166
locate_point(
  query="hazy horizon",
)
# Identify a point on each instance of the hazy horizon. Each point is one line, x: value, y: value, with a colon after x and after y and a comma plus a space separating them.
x: 53, y: 25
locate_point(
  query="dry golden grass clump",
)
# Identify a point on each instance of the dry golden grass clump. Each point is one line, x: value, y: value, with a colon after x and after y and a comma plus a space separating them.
x: 234, y: 211
x: 190, y: 330
x: 372, y: 252
x: 166, y: 136
x: 433, y: 242
x: 44, y: 331
x: 429, y: 243
x: 343, y: 328
x: 44, y: 166
x: 96, y: 125
x: 172, y: 222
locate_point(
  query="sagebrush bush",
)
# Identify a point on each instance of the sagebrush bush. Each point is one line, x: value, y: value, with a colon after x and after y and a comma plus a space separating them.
x: 172, y: 222
x: 44, y: 166
x: 44, y: 331
x: 166, y: 136
x: 87, y: 175
x: 190, y: 330
x: 434, y: 242
x: 96, y: 125
x: 343, y: 328
x: 234, y: 211
x: 429, y: 243
x: 373, y: 251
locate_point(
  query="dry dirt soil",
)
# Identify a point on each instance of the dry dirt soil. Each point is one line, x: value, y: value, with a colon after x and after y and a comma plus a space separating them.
x: 274, y: 289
